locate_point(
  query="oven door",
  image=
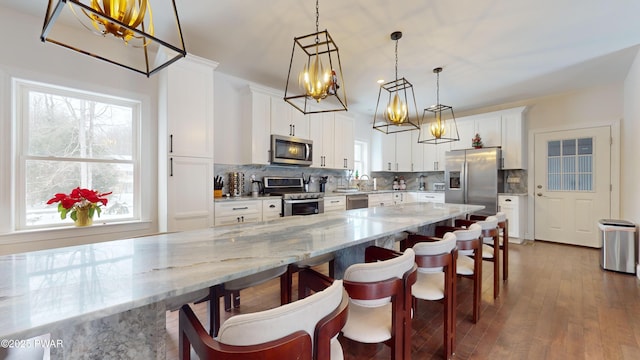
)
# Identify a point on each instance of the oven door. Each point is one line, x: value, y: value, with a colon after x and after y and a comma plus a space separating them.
x: 303, y: 207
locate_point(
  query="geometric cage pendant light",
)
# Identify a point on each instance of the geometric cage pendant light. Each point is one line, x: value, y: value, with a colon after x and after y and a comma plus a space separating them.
x: 434, y: 128
x: 319, y: 86
x: 396, y: 110
x: 120, y: 32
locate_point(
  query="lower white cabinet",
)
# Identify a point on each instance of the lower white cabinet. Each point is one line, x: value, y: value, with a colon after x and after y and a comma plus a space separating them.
x: 271, y: 209
x: 433, y: 197
x: 514, y: 207
x: 335, y: 203
x: 237, y: 212
x: 404, y: 197
x: 384, y: 199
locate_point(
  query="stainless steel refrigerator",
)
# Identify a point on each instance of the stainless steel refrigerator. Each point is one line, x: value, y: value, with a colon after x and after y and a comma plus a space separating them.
x: 473, y: 177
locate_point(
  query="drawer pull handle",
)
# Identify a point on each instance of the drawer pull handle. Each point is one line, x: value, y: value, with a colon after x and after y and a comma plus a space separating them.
x: 241, y: 208
x: 272, y: 206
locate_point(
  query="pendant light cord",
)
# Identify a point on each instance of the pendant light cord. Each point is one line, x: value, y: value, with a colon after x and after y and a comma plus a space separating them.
x: 396, y: 60
x: 438, y: 89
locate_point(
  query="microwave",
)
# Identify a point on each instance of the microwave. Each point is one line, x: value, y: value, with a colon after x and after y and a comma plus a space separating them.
x: 288, y: 150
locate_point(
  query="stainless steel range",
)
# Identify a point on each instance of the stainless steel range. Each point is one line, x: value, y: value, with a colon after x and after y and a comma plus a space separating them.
x: 295, y: 201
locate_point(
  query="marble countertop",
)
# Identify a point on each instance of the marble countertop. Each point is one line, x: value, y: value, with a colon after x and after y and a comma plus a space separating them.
x: 45, y: 289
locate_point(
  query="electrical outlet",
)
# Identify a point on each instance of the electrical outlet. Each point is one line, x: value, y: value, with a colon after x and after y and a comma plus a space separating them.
x: 513, y: 180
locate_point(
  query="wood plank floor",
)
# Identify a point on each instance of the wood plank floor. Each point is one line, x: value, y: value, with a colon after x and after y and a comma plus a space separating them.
x: 556, y: 304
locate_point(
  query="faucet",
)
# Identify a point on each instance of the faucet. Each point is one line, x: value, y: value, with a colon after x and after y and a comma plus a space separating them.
x: 363, y: 175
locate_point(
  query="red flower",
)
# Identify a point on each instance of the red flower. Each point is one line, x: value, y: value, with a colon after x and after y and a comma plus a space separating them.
x: 79, y: 198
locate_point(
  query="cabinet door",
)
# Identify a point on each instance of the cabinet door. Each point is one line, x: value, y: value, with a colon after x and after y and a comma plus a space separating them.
x: 490, y: 130
x: 189, y: 107
x: 466, y: 130
x: 417, y: 152
x: 344, y: 138
x: 316, y: 134
x: 281, y: 118
x: 403, y: 151
x: 189, y: 193
x: 388, y: 152
x: 335, y: 203
x: 514, y: 141
x: 260, y: 128
x: 299, y: 122
x: 271, y: 209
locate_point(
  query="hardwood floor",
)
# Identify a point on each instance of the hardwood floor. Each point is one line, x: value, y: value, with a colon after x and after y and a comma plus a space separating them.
x: 556, y: 304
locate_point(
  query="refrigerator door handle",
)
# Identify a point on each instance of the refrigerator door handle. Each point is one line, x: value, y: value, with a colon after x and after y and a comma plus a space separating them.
x: 465, y: 177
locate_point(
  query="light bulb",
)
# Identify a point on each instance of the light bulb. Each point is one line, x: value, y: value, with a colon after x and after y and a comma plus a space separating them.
x: 129, y: 12
x: 437, y: 128
x: 396, y: 110
x: 315, y: 80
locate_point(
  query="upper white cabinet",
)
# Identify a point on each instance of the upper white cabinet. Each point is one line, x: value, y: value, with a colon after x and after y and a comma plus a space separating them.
x: 344, y: 138
x: 417, y: 152
x: 488, y: 126
x: 258, y: 120
x: 514, y: 139
x: 185, y: 146
x: 434, y: 156
x: 393, y: 152
x: 322, y: 133
x: 186, y: 99
x: 287, y: 120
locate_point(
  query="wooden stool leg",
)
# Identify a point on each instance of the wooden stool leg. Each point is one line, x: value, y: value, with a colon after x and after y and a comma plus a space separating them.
x: 505, y: 251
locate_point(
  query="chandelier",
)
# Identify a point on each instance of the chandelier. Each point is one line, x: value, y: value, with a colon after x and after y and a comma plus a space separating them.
x: 126, y: 33
x: 397, y: 94
x: 434, y: 129
x: 320, y: 79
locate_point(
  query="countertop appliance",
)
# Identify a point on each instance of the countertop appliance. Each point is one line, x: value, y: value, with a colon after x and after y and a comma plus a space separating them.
x: 289, y: 150
x: 357, y: 201
x: 295, y: 201
x: 473, y: 177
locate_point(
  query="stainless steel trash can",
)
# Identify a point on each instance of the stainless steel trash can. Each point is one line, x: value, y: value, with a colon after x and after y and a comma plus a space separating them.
x: 619, y: 245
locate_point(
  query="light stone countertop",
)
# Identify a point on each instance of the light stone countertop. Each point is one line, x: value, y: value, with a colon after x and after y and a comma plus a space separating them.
x: 46, y: 289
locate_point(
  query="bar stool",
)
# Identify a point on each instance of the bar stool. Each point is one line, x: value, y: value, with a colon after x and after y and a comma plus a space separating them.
x: 436, y: 259
x: 503, y: 224
x: 490, y: 252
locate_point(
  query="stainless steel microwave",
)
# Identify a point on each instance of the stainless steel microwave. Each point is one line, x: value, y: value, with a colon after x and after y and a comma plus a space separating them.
x: 288, y: 150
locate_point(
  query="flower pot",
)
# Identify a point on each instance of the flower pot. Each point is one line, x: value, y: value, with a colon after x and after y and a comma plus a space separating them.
x: 83, y: 218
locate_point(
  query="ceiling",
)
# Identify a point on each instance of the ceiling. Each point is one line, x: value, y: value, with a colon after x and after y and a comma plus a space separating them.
x: 493, y: 51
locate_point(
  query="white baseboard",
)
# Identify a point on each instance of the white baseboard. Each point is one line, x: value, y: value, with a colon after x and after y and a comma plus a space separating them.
x: 638, y: 270
x: 515, y: 240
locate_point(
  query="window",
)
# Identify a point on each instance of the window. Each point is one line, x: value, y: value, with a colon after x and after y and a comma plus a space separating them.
x: 570, y: 165
x: 360, y: 156
x: 70, y: 138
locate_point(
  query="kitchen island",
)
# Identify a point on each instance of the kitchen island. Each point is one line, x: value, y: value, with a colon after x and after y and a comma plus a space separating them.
x: 108, y: 300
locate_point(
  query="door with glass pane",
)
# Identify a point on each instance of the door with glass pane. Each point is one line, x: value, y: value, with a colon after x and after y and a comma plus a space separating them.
x: 572, y: 185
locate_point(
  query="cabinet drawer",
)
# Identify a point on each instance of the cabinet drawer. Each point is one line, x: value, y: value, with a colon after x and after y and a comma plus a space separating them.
x: 335, y: 203
x: 271, y: 209
x: 237, y: 219
x: 234, y: 208
x: 431, y: 197
x: 380, y: 199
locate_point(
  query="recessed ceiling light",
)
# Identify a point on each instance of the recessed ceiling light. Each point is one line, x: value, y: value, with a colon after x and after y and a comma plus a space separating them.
x: 380, y: 81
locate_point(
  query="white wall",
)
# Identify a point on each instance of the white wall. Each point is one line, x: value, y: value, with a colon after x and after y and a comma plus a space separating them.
x: 26, y: 57
x: 630, y: 172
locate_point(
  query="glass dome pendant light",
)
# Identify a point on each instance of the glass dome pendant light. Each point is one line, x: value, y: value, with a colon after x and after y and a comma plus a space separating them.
x: 395, y: 115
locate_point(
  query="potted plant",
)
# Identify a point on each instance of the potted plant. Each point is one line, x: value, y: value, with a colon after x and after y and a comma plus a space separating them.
x: 81, y: 204
x: 476, y: 142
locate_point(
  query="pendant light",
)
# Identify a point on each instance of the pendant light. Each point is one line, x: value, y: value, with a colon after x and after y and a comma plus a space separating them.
x: 394, y: 103
x: 319, y: 86
x: 126, y: 35
x: 434, y: 129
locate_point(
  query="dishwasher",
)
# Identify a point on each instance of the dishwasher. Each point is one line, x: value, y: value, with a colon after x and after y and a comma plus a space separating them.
x: 357, y: 201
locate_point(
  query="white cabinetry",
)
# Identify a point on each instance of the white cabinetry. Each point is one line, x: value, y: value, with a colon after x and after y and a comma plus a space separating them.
x: 237, y: 212
x: 322, y: 133
x: 344, y: 138
x: 185, y: 128
x: 335, y: 203
x: 271, y: 209
x: 514, y: 207
x: 434, y: 156
x: 514, y: 139
x: 433, y: 197
x: 392, y: 151
x: 488, y: 126
x: 417, y: 152
x: 404, y: 197
x: 258, y: 129
x: 287, y: 120
x: 384, y: 199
